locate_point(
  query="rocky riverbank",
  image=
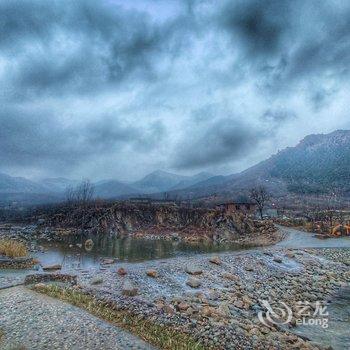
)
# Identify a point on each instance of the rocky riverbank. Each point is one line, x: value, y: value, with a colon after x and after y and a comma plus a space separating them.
x: 217, y: 299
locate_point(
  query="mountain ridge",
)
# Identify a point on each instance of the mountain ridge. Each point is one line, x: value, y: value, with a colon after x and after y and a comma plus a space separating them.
x: 319, y: 163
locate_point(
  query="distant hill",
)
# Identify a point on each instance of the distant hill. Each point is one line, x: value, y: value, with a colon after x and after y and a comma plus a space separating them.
x: 52, y: 189
x: 9, y: 184
x: 110, y: 189
x: 162, y: 181
x: 319, y: 164
x: 158, y: 181
x: 192, y: 180
x: 23, y: 191
x: 59, y: 184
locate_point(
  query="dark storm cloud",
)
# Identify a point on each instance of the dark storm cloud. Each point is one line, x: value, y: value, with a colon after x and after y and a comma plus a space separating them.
x: 223, y: 140
x: 260, y: 26
x: 80, y: 45
x: 289, y: 41
x: 91, y: 80
x: 38, y: 138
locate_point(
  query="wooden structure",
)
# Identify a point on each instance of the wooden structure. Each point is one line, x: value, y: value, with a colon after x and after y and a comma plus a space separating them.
x: 241, y: 207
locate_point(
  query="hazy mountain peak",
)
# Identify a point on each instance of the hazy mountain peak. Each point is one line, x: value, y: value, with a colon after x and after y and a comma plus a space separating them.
x: 338, y: 136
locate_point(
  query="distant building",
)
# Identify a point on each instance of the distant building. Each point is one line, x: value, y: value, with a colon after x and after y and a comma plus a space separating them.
x: 242, y: 207
x: 144, y: 200
x: 152, y: 201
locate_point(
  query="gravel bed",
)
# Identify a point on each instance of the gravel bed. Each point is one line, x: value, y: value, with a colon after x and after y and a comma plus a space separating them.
x: 33, y: 321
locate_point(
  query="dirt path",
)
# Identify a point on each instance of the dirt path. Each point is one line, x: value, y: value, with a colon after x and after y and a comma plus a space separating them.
x: 34, y: 321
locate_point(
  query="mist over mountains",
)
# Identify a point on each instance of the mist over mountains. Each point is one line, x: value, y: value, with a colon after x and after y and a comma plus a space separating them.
x: 319, y: 164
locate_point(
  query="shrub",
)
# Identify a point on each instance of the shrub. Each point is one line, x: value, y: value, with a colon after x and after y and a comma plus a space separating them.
x: 12, y: 249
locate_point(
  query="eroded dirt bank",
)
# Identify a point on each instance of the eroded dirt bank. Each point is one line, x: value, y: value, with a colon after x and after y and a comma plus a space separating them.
x: 152, y: 221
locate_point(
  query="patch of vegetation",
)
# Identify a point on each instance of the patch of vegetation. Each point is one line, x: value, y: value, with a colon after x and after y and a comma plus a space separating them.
x: 12, y: 249
x: 162, y: 337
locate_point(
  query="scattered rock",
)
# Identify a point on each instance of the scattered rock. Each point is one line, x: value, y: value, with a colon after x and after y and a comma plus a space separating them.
x: 152, y: 273
x: 193, y: 282
x: 183, y: 306
x: 207, y: 311
x: 97, y: 280
x: 129, y: 289
x: 213, y: 295
x: 230, y: 276
x: 88, y: 244
x: 239, y: 304
x: 40, y: 285
x: 224, y: 309
x: 121, y: 271
x: 193, y: 270
x: 169, y: 309
x: 108, y: 261
x: 215, y: 260
x: 52, y: 267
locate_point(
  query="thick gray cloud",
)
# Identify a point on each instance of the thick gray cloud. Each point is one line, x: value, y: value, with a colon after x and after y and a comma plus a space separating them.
x: 39, y: 139
x: 223, y: 140
x: 78, y: 46
x: 261, y: 27
x: 289, y: 41
x: 116, y: 89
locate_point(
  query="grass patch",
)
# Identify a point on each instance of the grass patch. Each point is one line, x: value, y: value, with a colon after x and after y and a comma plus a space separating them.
x: 162, y: 337
x: 13, y: 249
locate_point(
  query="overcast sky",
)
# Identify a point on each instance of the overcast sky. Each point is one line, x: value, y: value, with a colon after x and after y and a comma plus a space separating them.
x: 119, y: 88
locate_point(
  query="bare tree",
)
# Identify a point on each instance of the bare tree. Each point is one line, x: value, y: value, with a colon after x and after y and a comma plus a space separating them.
x: 70, y: 195
x: 81, y: 195
x: 84, y: 192
x: 260, y: 196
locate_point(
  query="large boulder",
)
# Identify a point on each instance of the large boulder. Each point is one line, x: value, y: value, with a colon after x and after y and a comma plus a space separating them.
x: 193, y: 282
x: 193, y: 270
x: 215, y: 260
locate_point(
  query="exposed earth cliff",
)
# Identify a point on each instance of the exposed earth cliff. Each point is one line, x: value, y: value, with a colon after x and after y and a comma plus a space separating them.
x: 153, y: 221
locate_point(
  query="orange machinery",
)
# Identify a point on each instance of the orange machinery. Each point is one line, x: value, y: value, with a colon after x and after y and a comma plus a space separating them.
x: 341, y: 230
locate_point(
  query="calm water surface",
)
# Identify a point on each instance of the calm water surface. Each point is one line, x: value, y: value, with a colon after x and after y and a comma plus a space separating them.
x: 124, y: 249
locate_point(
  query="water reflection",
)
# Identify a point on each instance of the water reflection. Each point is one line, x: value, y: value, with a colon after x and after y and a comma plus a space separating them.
x: 125, y: 249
